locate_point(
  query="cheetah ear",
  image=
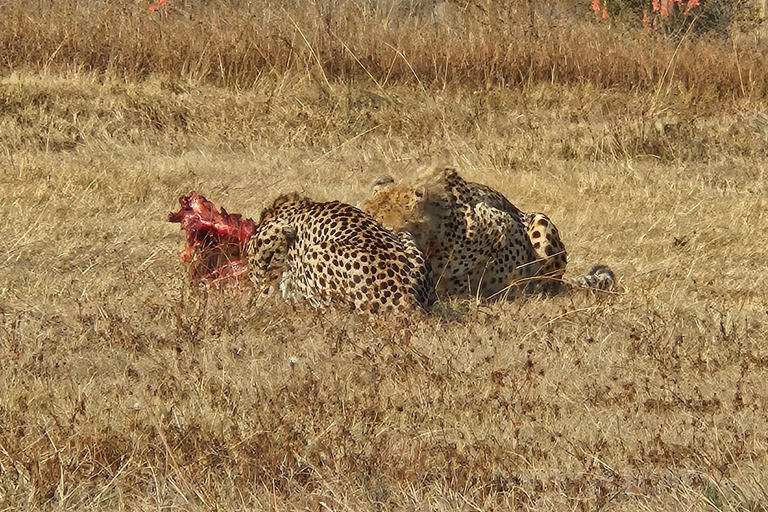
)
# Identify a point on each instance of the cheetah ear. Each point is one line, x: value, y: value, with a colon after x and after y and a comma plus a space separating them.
x: 382, y: 183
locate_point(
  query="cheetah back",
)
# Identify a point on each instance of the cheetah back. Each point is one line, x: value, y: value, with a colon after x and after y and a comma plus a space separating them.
x: 334, y: 252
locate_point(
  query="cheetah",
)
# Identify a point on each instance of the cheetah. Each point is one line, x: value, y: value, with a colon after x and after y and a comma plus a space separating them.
x: 477, y: 243
x: 335, y: 253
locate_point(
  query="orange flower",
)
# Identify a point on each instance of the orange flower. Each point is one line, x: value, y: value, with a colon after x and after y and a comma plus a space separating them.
x: 691, y: 5
x: 655, y: 6
x: 161, y: 6
x: 605, y: 13
x: 595, y: 5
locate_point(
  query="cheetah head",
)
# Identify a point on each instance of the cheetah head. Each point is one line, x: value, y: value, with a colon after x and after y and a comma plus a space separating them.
x: 393, y: 204
x: 418, y: 209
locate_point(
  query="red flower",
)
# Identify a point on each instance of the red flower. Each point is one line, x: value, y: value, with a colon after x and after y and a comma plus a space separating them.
x: 605, y: 13
x: 596, y: 5
x: 691, y: 5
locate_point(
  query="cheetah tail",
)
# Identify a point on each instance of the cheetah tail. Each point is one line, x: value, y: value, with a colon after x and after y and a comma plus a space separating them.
x: 601, y: 277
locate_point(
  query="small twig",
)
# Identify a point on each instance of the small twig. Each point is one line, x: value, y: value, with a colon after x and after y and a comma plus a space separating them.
x: 332, y: 150
x: 738, y: 68
x: 109, y: 484
x: 169, y: 453
x: 554, y: 319
x: 344, y: 45
x: 670, y: 63
x: 424, y: 89
x: 311, y: 50
x: 53, y: 56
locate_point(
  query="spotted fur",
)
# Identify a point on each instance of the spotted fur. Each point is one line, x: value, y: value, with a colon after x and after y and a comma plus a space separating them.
x: 335, y: 253
x: 476, y: 241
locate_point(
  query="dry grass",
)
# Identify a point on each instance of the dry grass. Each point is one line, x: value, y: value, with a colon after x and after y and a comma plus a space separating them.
x: 123, y: 389
x: 437, y: 45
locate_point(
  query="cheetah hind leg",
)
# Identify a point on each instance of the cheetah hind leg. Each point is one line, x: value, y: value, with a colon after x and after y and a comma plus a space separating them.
x: 551, y: 254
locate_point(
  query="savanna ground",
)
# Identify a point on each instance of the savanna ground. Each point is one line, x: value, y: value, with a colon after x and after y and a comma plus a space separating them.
x: 124, y: 388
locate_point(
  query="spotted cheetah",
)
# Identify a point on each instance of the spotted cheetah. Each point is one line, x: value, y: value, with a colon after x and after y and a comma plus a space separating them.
x: 335, y: 253
x: 476, y: 241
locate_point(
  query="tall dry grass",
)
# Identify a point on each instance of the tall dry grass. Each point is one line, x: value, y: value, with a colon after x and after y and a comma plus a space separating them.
x: 430, y: 44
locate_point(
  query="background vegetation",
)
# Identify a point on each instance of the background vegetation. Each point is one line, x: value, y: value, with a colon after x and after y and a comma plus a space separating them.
x: 122, y: 387
x: 423, y: 43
